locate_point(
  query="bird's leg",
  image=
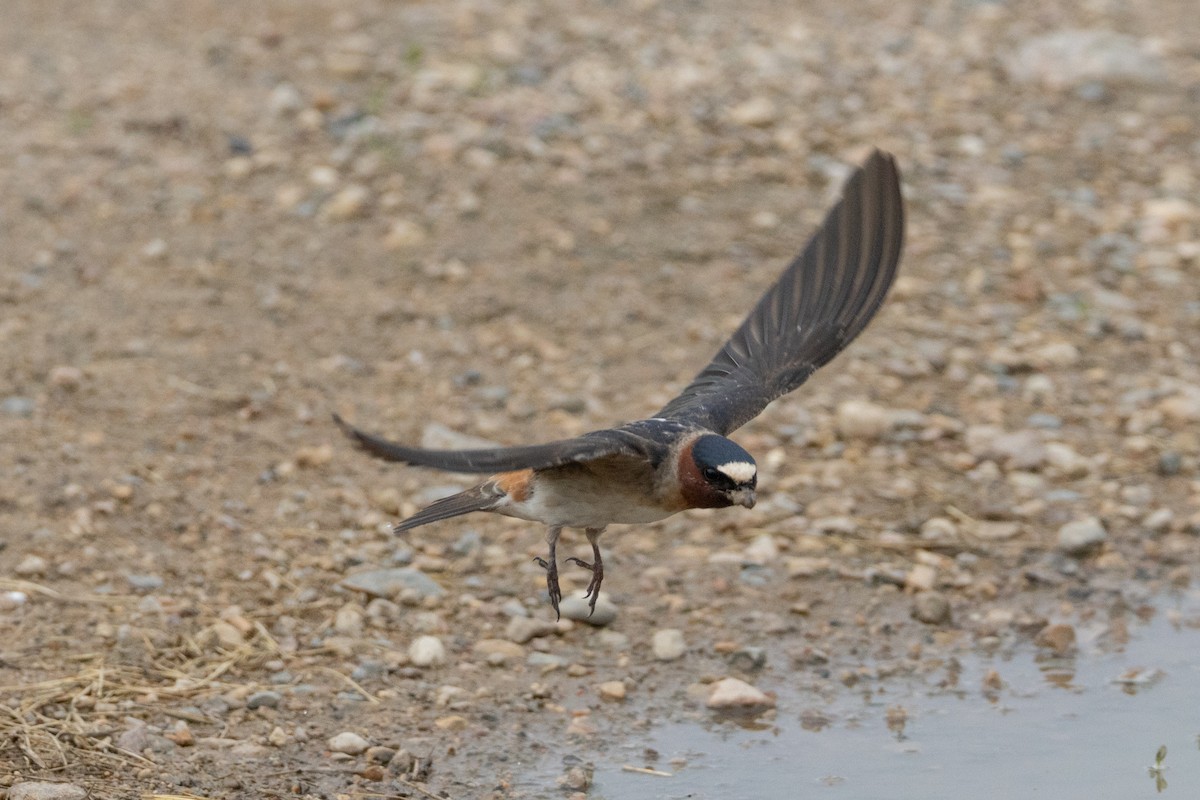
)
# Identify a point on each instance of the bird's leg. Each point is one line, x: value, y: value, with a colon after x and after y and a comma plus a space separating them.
x: 551, y: 567
x: 597, y: 568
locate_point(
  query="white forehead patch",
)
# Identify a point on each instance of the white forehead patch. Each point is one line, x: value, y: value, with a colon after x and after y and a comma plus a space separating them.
x: 739, y: 471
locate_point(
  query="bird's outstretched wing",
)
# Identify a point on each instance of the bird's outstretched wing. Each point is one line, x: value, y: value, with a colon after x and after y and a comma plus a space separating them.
x: 821, y: 302
x: 646, y: 442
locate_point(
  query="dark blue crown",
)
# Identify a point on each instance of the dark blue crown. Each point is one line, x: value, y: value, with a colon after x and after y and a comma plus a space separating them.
x: 711, y: 450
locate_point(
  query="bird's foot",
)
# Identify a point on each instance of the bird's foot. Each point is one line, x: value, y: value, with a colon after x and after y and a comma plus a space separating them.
x: 593, y: 587
x: 552, y: 587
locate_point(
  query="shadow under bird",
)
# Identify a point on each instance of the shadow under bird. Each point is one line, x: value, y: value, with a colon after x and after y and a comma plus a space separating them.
x: 680, y: 458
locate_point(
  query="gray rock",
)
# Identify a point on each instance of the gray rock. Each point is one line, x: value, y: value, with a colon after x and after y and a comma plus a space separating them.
x: 577, y: 608
x: 522, y: 629
x: 139, y: 738
x: 264, y: 699
x: 467, y: 543
x: 748, y: 659
x: 369, y: 669
x: 1079, y: 537
x: 1019, y: 450
x: 932, y: 608
x: 390, y: 582
x: 46, y: 790
x: 1072, y: 58
x: 18, y: 407
x: 145, y: 583
x: 544, y: 660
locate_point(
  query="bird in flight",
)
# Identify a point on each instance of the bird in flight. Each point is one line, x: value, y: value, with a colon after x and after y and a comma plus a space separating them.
x: 680, y: 458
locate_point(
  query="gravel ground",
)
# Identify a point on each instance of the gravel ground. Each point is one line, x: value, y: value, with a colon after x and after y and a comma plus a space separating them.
x: 220, y: 223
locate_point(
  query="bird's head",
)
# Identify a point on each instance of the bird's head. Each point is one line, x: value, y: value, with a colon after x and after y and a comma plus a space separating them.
x: 715, y: 472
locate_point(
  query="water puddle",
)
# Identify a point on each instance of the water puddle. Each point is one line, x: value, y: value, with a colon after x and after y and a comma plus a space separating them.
x: 1082, y: 727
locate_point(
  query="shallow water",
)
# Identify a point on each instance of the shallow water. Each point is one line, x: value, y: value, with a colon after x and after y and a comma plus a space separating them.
x: 1060, y: 728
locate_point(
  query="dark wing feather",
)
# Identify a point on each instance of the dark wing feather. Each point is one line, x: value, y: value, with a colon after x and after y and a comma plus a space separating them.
x: 589, y: 447
x: 821, y: 302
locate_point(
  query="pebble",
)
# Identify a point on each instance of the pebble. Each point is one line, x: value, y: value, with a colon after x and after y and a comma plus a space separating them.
x: 138, y: 738
x: 577, y: 778
x: 862, y: 419
x: 285, y: 99
x: 576, y: 608
x: 392, y: 581
x: 612, y: 690
x: 46, y: 790
x: 348, y: 203
x: 18, y: 406
x: 748, y: 659
x: 761, y: 551
x: 264, y: 699
x: 404, y: 234
x: 1081, y: 536
x: 1019, y: 450
x: 145, y: 583
x: 499, y: 651
x: 921, y: 577
x: 12, y: 600
x: 546, y: 661
x: 1058, y: 638
x: 732, y: 694
x: 453, y: 722
x: 522, y: 629
x: 669, y: 644
x: 349, y: 743
x: 757, y: 112
x: 427, y: 651
x: 348, y: 620
x: 932, y: 608
x: 31, y: 566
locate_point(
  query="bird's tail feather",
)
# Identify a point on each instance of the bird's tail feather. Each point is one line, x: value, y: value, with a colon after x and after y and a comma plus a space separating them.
x: 480, y: 498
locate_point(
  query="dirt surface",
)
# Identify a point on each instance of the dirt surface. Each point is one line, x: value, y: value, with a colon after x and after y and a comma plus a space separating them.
x: 221, y: 222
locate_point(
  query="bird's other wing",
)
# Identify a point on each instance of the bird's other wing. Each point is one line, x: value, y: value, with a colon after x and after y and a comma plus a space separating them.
x: 589, y: 447
x: 825, y: 298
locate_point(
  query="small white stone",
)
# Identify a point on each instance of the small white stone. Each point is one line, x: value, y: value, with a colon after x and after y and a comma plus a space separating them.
x: 155, y: 250
x: 427, y: 651
x: 349, y: 620
x: 285, y: 99
x: 939, y: 529
x: 348, y: 742
x: 921, y: 577
x: 669, y: 644
x: 731, y: 693
x: 1078, y: 537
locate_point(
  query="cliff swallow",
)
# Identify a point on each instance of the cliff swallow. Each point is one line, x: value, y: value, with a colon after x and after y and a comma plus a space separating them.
x: 680, y: 458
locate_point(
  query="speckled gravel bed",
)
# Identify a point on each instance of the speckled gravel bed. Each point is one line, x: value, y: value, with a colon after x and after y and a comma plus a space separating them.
x: 520, y: 222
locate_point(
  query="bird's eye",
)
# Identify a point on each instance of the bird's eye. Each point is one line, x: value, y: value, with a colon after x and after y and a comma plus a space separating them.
x: 711, y: 474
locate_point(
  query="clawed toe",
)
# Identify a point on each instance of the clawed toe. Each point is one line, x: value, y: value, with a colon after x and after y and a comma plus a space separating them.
x: 593, y: 588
